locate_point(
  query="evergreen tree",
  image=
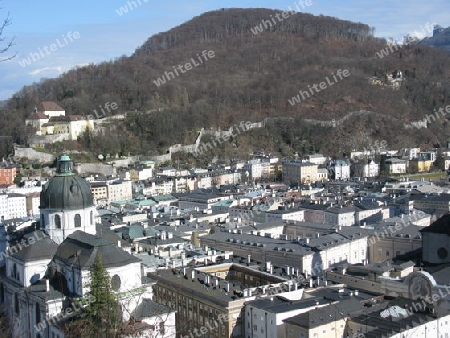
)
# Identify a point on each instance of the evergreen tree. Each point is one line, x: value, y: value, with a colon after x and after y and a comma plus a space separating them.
x: 102, y: 317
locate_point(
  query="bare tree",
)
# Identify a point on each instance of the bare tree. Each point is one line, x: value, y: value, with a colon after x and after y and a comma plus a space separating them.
x: 5, y: 43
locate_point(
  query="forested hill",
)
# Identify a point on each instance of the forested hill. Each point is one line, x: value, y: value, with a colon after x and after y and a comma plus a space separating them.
x: 256, y: 69
x: 237, y: 23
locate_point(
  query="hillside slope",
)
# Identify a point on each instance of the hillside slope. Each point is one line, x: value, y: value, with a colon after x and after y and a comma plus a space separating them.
x: 253, y: 75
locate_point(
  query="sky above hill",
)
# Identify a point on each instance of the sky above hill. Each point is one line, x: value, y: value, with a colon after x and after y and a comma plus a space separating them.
x: 52, y: 37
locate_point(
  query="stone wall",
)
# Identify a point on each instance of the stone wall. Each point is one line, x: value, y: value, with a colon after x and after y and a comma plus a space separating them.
x: 33, y: 155
x: 96, y: 168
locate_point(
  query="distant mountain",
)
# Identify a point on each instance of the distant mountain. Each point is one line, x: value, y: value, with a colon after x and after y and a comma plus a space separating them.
x: 440, y: 38
x: 261, y: 66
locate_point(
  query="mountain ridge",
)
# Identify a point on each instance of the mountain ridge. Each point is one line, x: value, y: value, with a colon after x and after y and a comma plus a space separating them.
x: 252, y: 77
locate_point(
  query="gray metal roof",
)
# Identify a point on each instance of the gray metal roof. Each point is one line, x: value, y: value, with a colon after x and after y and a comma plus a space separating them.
x: 81, y: 249
x: 42, y: 247
x: 148, y: 308
x: 326, y: 314
x: 276, y: 304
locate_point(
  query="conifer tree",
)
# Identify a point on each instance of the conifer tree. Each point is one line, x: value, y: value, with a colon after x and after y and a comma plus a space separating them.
x: 102, y: 317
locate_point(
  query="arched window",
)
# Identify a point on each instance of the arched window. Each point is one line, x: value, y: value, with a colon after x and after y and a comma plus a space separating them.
x: 38, y: 313
x: 57, y: 222
x: 77, y: 221
x: 92, y: 218
x: 115, y: 282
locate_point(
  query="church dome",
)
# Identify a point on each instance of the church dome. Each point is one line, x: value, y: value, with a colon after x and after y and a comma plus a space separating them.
x: 66, y: 190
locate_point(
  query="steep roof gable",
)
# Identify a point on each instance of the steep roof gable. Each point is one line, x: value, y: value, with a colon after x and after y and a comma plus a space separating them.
x: 49, y: 106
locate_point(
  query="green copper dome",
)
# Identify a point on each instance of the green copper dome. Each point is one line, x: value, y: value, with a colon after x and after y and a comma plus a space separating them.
x: 66, y: 190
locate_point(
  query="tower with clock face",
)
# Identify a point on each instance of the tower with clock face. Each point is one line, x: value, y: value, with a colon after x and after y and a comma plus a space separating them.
x: 436, y: 241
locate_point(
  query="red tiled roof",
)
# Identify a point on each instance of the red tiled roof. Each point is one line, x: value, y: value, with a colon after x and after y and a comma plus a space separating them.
x: 49, y: 106
x: 68, y: 118
x: 38, y: 116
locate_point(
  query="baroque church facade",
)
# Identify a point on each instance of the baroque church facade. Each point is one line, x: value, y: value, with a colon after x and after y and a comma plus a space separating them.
x: 46, y: 269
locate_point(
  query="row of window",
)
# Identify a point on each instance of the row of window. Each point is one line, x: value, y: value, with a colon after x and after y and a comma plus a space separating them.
x: 77, y: 220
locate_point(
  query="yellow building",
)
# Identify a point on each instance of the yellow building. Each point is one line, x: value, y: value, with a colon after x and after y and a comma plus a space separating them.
x: 420, y: 166
x: 100, y: 192
x: 299, y: 172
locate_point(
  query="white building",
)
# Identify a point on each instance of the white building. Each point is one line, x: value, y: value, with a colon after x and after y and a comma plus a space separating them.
x: 33, y: 203
x: 371, y: 169
x: 396, y: 166
x: 158, y: 186
x: 254, y: 168
x: 285, y: 215
x: 322, y: 174
x: 119, y: 190
x: 166, y: 171
x: 343, y: 216
x: 50, y: 109
x: 13, y: 205
x: 339, y: 169
x: 318, y: 159
x: 264, y: 317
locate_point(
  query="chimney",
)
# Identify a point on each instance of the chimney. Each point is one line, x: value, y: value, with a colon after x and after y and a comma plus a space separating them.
x: 356, y: 292
x: 249, y: 259
x: 47, y: 285
x: 169, y: 235
x: 268, y: 264
x: 271, y: 269
x: 310, y: 282
x: 193, y: 274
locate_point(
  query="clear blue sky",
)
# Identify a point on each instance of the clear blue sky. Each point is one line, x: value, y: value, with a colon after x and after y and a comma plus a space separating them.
x: 99, y: 33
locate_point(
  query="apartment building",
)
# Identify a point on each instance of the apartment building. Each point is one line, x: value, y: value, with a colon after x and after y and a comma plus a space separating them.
x: 299, y: 172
